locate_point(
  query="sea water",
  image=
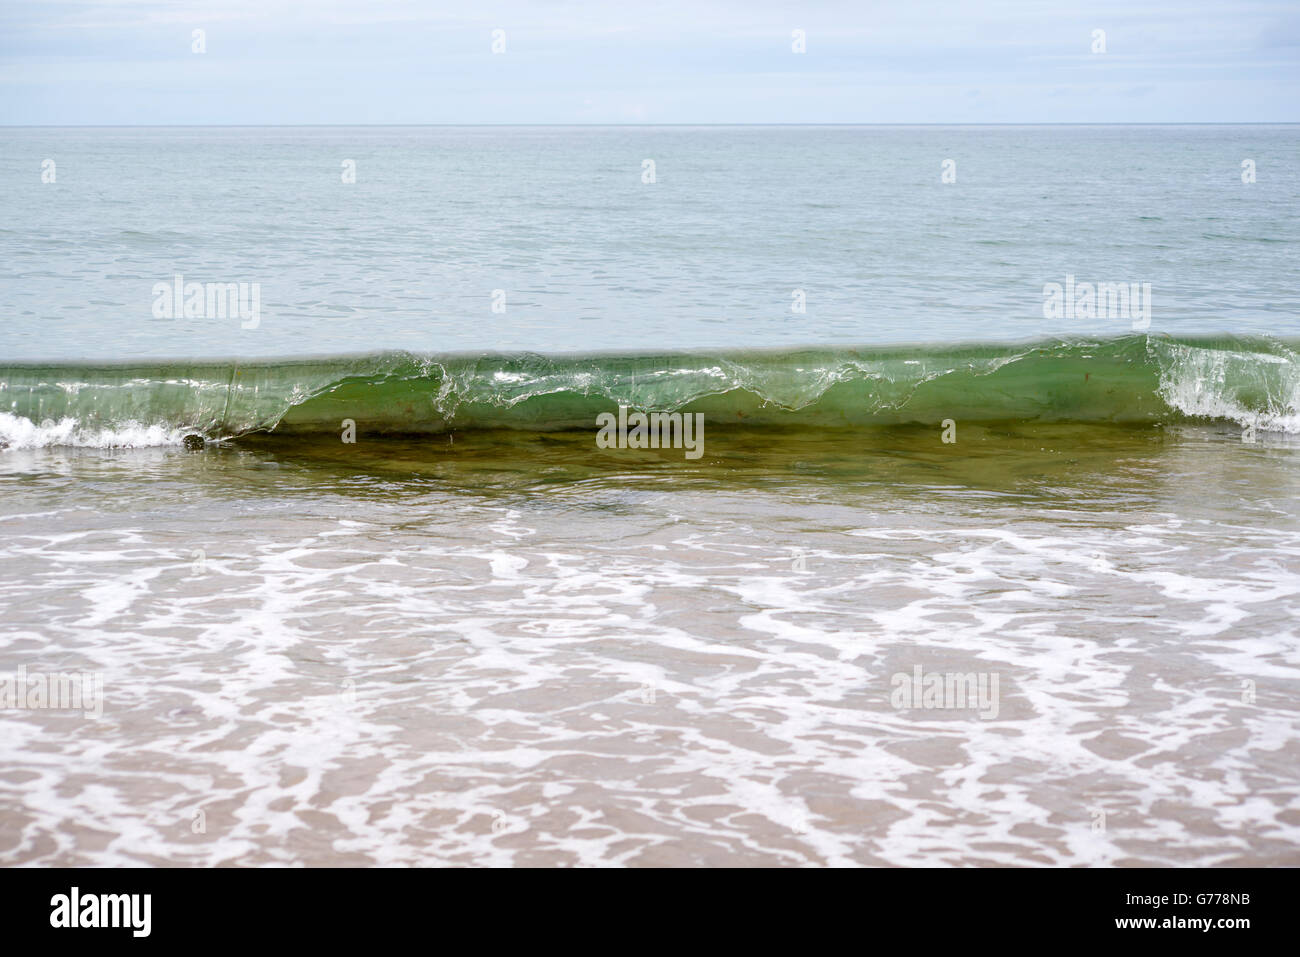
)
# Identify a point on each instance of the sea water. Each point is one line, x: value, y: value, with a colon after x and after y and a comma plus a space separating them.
x: 959, y: 577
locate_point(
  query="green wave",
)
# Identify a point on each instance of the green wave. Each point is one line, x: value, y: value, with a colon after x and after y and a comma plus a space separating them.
x: 1130, y: 379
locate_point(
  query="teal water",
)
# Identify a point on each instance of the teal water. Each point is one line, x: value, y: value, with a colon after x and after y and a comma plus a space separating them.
x: 1253, y: 383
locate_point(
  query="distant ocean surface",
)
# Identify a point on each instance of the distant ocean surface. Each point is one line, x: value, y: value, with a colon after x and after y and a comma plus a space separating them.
x: 402, y: 606
x: 591, y: 258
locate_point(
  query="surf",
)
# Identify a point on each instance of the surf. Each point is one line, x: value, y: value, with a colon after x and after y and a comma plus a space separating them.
x: 1253, y: 382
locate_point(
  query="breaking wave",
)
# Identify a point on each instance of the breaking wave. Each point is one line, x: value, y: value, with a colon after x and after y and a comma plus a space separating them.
x: 1130, y: 379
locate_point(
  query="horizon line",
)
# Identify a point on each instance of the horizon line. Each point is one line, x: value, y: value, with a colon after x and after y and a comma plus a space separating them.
x: 164, y: 126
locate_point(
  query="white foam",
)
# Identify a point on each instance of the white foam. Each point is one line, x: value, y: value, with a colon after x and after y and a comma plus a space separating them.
x: 1199, y: 382
x: 443, y: 678
x: 18, y: 432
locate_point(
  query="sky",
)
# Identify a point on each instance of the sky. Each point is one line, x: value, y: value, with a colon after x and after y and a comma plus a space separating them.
x: 133, y: 62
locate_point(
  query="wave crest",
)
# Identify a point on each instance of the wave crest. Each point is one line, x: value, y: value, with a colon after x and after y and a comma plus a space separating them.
x: 1135, y: 379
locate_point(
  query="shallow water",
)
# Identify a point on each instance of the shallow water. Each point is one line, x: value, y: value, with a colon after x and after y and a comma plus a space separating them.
x: 505, y: 647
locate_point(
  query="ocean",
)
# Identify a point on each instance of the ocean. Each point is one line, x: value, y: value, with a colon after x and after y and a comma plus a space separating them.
x: 650, y: 496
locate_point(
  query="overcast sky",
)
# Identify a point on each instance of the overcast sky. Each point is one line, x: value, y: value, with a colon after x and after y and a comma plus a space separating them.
x: 617, y: 61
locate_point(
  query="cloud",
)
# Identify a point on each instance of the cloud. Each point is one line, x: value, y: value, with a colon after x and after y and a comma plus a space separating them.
x: 400, y: 61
